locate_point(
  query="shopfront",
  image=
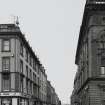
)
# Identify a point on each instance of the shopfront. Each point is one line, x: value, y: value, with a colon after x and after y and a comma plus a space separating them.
x: 6, y: 101
x: 14, y: 101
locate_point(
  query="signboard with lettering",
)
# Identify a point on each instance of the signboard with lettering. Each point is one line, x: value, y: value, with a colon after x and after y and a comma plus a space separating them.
x: 15, y: 94
x: 10, y: 94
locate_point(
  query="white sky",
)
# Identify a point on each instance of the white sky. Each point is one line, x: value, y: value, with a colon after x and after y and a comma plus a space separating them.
x: 52, y: 28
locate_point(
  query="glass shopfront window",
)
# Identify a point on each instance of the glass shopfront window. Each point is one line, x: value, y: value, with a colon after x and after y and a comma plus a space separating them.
x: 6, y: 101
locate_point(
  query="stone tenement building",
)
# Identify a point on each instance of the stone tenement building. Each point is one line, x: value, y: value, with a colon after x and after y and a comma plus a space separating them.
x: 52, y: 98
x: 23, y: 80
x: 89, y: 83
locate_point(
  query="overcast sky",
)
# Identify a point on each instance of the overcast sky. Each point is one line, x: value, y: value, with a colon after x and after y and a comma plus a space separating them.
x: 52, y: 28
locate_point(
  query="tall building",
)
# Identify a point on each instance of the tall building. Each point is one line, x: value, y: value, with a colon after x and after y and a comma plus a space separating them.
x: 89, y: 82
x: 23, y: 79
x: 19, y: 69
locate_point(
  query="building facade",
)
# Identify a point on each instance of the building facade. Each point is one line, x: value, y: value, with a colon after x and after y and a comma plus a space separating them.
x: 43, y: 86
x: 19, y: 68
x: 52, y: 97
x: 89, y: 82
x: 23, y: 80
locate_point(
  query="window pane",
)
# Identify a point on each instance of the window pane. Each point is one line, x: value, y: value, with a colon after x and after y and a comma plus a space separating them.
x: 21, y: 66
x: 27, y: 71
x: 101, y: 44
x: 102, y: 70
x: 6, y: 42
x: 26, y: 55
x: 103, y: 61
x: 21, y: 84
x: 6, y: 64
x: 30, y: 74
x: 6, y: 45
x: 104, y: 44
x: 27, y: 85
x: 6, y: 82
x: 30, y: 60
x: 21, y: 49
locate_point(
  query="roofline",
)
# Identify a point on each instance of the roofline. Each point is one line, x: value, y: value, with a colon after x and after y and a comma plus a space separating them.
x: 22, y: 37
x: 82, y: 30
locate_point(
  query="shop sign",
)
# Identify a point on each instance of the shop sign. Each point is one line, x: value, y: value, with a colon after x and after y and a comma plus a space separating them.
x: 9, y: 94
x: 14, y: 94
